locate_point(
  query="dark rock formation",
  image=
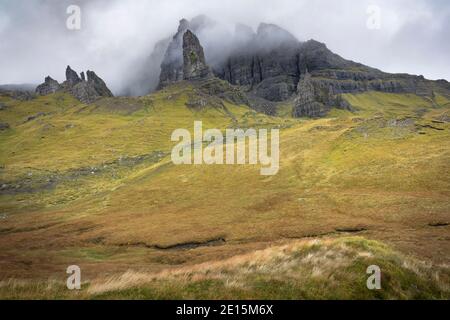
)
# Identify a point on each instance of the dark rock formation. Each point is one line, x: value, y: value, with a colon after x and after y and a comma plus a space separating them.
x: 92, y: 89
x: 266, y: 63
x: 49, y: 86
x: 72, y: 77
x: 194, y: 65
x: 86, y: 91
x: 272, y: 66
x: 305, y: 103
x: 172, y: 65
x: 315, y: 98
x: 98, y: 84
x: 173, y: 61
x: 314, y: 55
x: 223, y: 90
x: 4, y: 126
x: 16, y: 94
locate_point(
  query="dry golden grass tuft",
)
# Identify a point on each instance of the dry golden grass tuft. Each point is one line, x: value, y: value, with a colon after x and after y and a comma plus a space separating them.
x: 319, y: 268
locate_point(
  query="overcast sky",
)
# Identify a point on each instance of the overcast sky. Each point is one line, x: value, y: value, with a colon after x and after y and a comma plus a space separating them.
x: 116, y: 35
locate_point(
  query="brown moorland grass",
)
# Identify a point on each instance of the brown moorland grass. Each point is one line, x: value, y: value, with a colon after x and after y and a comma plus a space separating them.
x: 94, y: 186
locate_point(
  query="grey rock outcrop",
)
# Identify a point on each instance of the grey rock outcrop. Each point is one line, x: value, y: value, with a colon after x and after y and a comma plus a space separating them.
x: 98, y: 84
x: 315, y: 98
x: 194, y: 64
x: 92, y: 89
x: 21, y: 95
x: 49, y: 86
x: 305, y: 102
x: 72, y: 77
x: 86, y: 91
x: 266, y: 63
x: 173, y: 61
x: 172, y: 65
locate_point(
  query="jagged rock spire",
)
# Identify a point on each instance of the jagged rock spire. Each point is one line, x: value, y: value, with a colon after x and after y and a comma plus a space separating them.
x: 194, y: 65
x: 172, y: 66
x: 92, y: 89
x: 85, y: 91
x: 72, y: 77
x: 98, y: 84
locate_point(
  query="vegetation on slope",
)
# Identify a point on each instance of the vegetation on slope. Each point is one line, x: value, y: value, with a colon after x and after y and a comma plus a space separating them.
x: 93, y: 185
x: 333, y: 268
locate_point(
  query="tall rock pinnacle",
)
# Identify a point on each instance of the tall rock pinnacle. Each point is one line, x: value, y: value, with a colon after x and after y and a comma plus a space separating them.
x: 172, y: 64
x: 194, y: 65
x: 72, y: 77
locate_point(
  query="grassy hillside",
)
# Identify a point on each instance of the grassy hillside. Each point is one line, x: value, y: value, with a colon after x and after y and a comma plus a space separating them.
x: 309, y: 269
x: 93, y: 185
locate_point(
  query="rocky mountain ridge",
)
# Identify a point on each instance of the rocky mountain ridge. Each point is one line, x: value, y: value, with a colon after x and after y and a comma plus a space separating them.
x: 267, y: 68
x: 87, y: 88
x: 272, y: 66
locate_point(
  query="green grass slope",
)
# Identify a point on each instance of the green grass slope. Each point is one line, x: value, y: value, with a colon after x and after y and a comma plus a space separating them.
x: 93, y: 185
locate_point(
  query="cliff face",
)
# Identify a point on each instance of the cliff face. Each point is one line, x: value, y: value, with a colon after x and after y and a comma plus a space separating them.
x: 85, y: 90
x: 267, y: 63
x: 315, y: 97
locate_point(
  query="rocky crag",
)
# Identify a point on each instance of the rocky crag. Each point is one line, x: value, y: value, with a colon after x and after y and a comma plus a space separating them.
x: 86, y: 88
x: 194, y: 64
x: 49, y: 86
x: 273, y: 67
x: 172, y: 65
